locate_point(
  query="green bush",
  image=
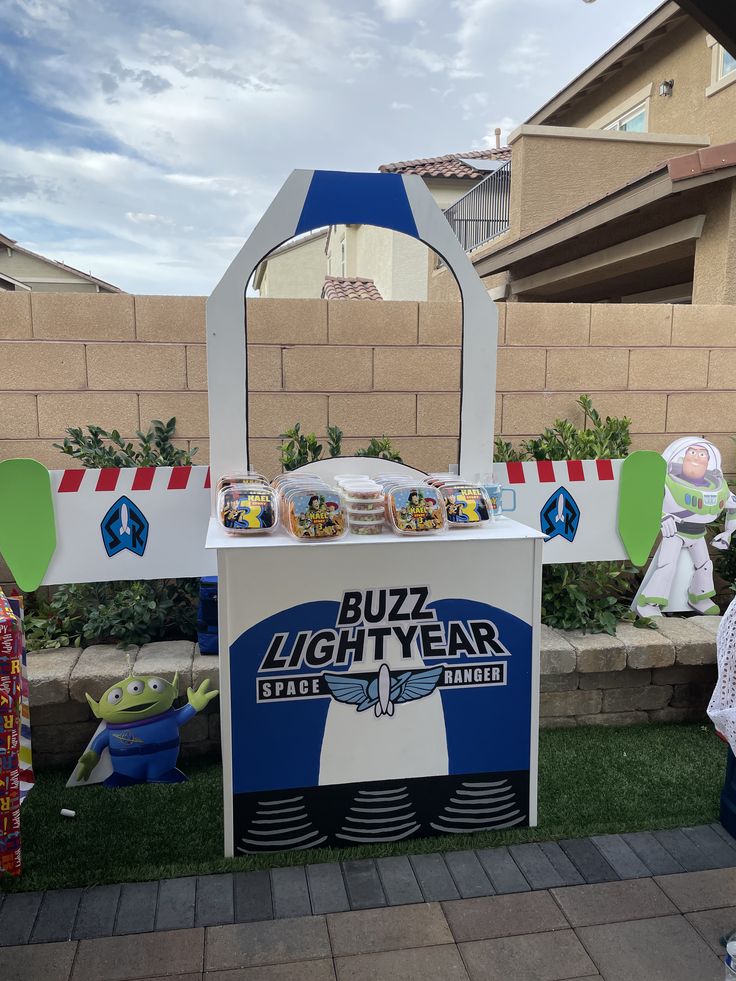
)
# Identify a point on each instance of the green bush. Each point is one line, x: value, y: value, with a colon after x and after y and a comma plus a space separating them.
x: 122, y: 612
x: 102, y: 449
x: 381, y: 448
x: 298, y: 448
x: 599, y: 439
x: 590, y: 596
x: 114, y: 612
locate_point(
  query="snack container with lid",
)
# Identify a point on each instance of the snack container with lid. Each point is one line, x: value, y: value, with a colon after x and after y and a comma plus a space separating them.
x: 362, y: 525
x: 314, y: 513
x: 415, y: 509
x: 251, y: 477
x: 467, y: 504
x: 245, y: 508
x: 364, y: 508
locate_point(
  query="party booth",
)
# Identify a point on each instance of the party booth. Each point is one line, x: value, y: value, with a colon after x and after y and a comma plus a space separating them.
x: 374, y: 686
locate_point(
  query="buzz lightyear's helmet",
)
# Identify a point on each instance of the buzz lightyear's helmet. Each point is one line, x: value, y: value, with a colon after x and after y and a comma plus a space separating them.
x: 674, y: 455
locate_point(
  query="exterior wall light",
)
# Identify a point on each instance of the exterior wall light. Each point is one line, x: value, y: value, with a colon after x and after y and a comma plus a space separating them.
x: 665, y: 88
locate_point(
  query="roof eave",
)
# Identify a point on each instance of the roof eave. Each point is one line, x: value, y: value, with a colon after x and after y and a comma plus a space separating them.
x: 87, y: 277
x: 649, y: 189
x: 667, y: 12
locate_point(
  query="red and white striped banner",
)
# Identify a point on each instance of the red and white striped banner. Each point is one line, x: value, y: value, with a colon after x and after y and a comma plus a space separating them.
x: 175, y: 502
x: 592, y: 485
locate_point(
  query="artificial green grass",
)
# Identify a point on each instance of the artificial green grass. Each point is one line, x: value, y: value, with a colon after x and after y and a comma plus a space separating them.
x: 591, y: 781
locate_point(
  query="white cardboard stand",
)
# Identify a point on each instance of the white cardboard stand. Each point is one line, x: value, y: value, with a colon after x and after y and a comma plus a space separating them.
x: 372, y: 689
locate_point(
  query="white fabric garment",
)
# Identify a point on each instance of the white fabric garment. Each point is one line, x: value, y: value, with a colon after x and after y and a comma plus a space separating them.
x: 722, y: 705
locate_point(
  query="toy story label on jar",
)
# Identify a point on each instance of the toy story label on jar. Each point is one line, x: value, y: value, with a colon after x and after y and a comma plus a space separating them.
x: 245, y: 508
x: 466, y: 505
x: 314, y: 515
x: 415, y: 510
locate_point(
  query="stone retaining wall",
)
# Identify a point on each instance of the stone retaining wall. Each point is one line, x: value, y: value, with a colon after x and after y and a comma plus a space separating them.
x: 640, y: 675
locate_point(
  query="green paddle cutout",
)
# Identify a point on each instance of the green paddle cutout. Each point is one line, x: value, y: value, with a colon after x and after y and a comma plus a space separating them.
x: 640, y: 496
x: 27, y: 525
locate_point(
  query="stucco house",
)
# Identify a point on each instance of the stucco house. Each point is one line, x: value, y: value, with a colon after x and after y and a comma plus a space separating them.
x: 623, y: 185
x: 21, y: 269
x: 398, y: 266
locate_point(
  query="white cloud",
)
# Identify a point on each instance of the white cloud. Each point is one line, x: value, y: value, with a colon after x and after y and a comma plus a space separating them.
x: 526, y: 59
x: 394, y: 10
x: 507, y: 125
x: 148, y: 146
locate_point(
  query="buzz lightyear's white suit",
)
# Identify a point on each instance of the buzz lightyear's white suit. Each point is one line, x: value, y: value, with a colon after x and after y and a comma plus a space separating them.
x: 695, y: 494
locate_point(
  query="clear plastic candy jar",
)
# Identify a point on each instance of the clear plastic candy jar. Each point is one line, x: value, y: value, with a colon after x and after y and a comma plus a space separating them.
x: 245, y: 507
x: 415, y: 509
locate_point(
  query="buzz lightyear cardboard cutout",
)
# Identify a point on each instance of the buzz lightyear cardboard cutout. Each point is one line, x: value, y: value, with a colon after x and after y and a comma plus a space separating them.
x: 137, y: 740
x: 680, y: 576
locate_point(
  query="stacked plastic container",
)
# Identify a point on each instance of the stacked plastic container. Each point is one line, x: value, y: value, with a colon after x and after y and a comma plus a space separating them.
x: 412, y: 507
x: 468, y: 505
x: 246, y: 504
x: 364, y: 503
x: 311, y: 510
x: 11, y: 653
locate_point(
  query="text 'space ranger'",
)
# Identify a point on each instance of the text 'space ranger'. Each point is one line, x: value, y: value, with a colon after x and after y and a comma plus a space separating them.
x: 387, y: 747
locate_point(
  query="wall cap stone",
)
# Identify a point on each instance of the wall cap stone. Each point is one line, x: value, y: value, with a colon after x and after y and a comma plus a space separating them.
x: 646, y: 648
x: 49, y: 672
x: 693, y: 644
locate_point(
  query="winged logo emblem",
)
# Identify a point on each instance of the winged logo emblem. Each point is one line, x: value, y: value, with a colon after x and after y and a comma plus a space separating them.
x: 384, y: 690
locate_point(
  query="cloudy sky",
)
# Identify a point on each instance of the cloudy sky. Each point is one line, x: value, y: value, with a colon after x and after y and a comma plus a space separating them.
x: 141, y: 140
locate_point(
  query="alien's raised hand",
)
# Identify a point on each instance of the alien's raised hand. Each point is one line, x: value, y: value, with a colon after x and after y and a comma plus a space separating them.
x: 198, y: 699
x: 87, y: 762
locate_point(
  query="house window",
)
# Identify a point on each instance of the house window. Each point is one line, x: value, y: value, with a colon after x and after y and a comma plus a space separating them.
x: 726, y: 62
x: 723, y: 67
x: 633, y: 121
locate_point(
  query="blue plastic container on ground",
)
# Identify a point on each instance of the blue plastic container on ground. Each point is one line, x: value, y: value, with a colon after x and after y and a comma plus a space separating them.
x: 207, y: 616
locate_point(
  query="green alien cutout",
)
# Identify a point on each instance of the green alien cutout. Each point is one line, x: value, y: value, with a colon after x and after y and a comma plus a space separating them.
x: 141, y: 730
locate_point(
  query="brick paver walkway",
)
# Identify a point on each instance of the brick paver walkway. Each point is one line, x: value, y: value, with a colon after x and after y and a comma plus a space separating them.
x: 635, y: 907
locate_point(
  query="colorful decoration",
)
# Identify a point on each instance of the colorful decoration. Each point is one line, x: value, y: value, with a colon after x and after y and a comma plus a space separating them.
x: 27, y: 523
x: 572, y: 502
x: 11, y: 656
x: 560, y: 515
x: 27, y: 777
x: 695, y: 495
x: 138, y: 740
x: 640, y: 503
x: 130, y: 523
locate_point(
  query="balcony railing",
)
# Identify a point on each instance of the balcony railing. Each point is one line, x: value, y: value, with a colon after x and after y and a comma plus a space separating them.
x: 483, y: 213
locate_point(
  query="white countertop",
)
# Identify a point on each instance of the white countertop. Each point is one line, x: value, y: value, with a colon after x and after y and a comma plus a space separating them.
x: 500, y: 529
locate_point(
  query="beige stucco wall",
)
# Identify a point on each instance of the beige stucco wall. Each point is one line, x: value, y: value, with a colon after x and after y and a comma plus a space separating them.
x: 715, y: 253
x: 682, y: 55
x: 298, y: 273
x: 388, y: 368
x: 446, y: 192
x: 556, y: 171
x: 371, y: 255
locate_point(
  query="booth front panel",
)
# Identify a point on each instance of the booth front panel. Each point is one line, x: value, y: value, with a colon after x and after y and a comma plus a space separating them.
x: 379, y: 692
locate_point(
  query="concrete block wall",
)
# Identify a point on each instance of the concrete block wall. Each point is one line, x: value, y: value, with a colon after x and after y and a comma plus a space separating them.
x: 388, y: 368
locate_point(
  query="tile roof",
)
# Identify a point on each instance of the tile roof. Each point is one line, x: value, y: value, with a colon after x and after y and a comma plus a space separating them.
x: 349, y: 288
x: 705, y: 161
x: 450, y: 165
